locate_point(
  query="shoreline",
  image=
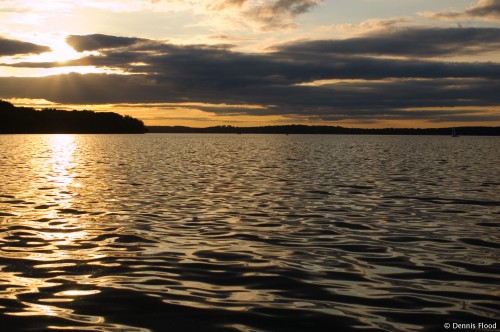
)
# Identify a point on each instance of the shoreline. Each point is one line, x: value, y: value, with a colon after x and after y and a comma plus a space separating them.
x: 327, y: 130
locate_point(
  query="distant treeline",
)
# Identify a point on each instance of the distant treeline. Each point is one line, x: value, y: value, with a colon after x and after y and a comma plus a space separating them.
x: 17, y: 120
x: 303, y: 129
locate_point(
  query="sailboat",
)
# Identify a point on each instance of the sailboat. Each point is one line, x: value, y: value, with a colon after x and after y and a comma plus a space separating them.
x: 454, y: 133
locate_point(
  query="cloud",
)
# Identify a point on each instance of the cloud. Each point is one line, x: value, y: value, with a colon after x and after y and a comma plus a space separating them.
x: 357, y: 99
x: 409, y: 42
x: 264, y: 15
x: 225, y: 4
x: 99, y: 42
x: 363, y: 100
x: 483, y: 9
x: 279, y: 14
x: 350, y: 79
x: 16, y: 47
x: 301, y: 61
x: 365, y: 27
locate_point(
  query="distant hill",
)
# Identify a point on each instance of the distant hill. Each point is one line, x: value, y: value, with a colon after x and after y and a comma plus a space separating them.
x: 17, y: 120
x: 303, y: 129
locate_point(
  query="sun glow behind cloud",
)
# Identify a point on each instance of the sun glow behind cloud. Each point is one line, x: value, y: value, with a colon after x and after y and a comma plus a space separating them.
x: 60, y: 53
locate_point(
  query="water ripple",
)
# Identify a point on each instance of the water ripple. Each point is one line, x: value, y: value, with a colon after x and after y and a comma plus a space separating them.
x: 248, y: 232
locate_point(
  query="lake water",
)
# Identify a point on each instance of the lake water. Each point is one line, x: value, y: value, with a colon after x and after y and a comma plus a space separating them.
x: 164, y: 232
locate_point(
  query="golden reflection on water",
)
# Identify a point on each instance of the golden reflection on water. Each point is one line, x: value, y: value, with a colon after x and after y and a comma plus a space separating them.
x: 61, y: 168
x: 62, y: 148
x: 54, y: 170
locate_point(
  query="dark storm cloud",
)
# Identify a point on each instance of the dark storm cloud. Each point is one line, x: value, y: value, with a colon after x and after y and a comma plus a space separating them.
x: 75, y: 88
x: 363, y: 100
x: 98, y: 42
x: 16, y: 47
x: 282, y: 81
x: 367, y: 99
x: 304, y: 61
x: 422, y: 42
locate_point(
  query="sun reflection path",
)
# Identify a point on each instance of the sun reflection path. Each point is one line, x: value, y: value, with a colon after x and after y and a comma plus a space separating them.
x: 62, y: 170
x: 52, y: 242
x: 62, y: 149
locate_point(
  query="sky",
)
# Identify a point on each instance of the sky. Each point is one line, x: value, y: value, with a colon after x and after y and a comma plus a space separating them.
x: 199, y: 63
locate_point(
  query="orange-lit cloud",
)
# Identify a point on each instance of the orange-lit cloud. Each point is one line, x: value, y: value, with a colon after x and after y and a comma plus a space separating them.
x: 265, y: 15
x: 483, y: 9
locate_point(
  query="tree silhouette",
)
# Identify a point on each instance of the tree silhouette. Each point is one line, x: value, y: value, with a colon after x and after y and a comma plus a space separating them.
x: 328, y: 130
x: 50, y: 121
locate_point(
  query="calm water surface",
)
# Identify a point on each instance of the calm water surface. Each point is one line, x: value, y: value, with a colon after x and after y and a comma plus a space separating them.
x: 248, y: 232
